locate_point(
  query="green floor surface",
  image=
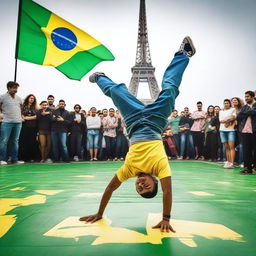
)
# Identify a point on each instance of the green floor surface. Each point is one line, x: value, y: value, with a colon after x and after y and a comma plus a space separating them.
x: 214, y: 212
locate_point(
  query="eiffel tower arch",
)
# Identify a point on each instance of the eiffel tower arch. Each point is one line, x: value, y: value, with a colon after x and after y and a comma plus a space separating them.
x: 143, y: 70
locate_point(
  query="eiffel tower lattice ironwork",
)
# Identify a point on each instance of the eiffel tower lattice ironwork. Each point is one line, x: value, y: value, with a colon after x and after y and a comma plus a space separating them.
x: 143, y: 71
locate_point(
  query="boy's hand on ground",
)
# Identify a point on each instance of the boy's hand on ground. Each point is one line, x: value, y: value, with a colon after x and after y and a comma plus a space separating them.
x: 165, y: 226
x: 91, y: 218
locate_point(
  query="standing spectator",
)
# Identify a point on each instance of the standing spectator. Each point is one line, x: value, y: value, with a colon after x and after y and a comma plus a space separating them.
x: 1, y: 119
x: 197, y: 129
x: 84, y: 151
x: 44, y: 119
x: 186, y: 138
x: 109, y: 127
x: 221, y: 152
x: 77, y: 128
x: 237, y: 104
x: 60, y: 124
x: 211, y: 141
x: 10, y: 104
x: 102, y: 142
x: 93, y: 123
x: 121, y: 141
x: 50, y: 100
x: 227, y: 119
x: 174, y: 122
x: 247, y: 126
x: 28, y: 144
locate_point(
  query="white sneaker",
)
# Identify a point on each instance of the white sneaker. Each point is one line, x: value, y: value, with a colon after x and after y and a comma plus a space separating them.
x: 48, y: 161
x: 76, y: 159
x: 18, y: 162
x: 3, y: 163
x: 241, y: 166
x: 225, y: 164
x: 229, y: 166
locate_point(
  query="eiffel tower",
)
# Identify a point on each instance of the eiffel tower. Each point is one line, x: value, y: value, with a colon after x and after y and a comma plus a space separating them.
x: 143, y: 71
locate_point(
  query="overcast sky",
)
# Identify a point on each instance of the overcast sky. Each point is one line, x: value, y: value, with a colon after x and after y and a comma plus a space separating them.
x: 223, y: 32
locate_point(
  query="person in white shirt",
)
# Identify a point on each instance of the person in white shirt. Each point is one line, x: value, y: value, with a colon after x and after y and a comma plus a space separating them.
x: 227, y: 117
x: 93, y: 123
x: 10, y: 104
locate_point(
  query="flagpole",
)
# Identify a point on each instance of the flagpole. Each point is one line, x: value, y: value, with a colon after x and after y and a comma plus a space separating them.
x: 17, y: 40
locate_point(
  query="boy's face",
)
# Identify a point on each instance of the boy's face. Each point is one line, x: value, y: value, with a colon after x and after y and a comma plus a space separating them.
x: 145, y: 183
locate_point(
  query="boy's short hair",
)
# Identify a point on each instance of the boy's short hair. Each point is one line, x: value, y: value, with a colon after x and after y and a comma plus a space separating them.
x: 152, y: 193
x: 11, y: 84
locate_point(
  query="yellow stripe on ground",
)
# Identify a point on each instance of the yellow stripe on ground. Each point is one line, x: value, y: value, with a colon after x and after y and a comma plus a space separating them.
x: 17, y: 189
x: 200, y: 193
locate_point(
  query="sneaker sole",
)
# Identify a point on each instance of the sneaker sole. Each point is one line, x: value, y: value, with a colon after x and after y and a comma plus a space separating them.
x: 191, y: 44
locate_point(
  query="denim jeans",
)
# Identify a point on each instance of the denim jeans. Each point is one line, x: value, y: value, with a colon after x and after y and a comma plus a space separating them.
x: 10, y: 133
x: 93, y: 138
x: 59, y: 145
x: 148, y: 122
x: 186, y: 143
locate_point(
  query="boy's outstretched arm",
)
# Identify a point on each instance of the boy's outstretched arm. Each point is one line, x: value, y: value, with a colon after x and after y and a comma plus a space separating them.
x: 112, y: 186
x: 164, y: 224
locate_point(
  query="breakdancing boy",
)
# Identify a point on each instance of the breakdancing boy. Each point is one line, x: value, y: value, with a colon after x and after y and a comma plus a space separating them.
x: 146, y: 158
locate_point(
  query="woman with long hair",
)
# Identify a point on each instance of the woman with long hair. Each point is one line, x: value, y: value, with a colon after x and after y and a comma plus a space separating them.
x: 237, y: 103
x: 44, y: 119
x: 227, y: 117
x: 211, y: 140
x: 28, y: 147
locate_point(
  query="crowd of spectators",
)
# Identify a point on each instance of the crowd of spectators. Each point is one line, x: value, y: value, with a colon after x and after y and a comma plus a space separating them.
x: 47, y: 133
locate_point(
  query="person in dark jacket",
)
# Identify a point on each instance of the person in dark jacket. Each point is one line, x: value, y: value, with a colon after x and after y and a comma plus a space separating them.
x: 60, y: 124
x: 77, y: 128
x: 246, y: 119
x: 186, y: 137
x: 44, y: 119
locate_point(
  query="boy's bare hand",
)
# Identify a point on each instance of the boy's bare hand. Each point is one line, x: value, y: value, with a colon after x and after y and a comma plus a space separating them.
x: 165, y: 226
x: 91, y: 218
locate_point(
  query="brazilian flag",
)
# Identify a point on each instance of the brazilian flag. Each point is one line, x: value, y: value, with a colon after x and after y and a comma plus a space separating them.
x: 46, y: 39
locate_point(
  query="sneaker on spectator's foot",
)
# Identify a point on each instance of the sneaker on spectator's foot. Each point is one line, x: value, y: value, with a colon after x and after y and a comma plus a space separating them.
x: 18, y: 162
x: 49, y: 161
x: 187, y: 47
x: 121, y: 159
x: 241, y: 166
x: 3, y: 162
x: 229, y: 166
x: 76, y: 159
x: 93, y: 77
x: 225, y: 164
x: 245, y: 171
x: 180, y: 158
